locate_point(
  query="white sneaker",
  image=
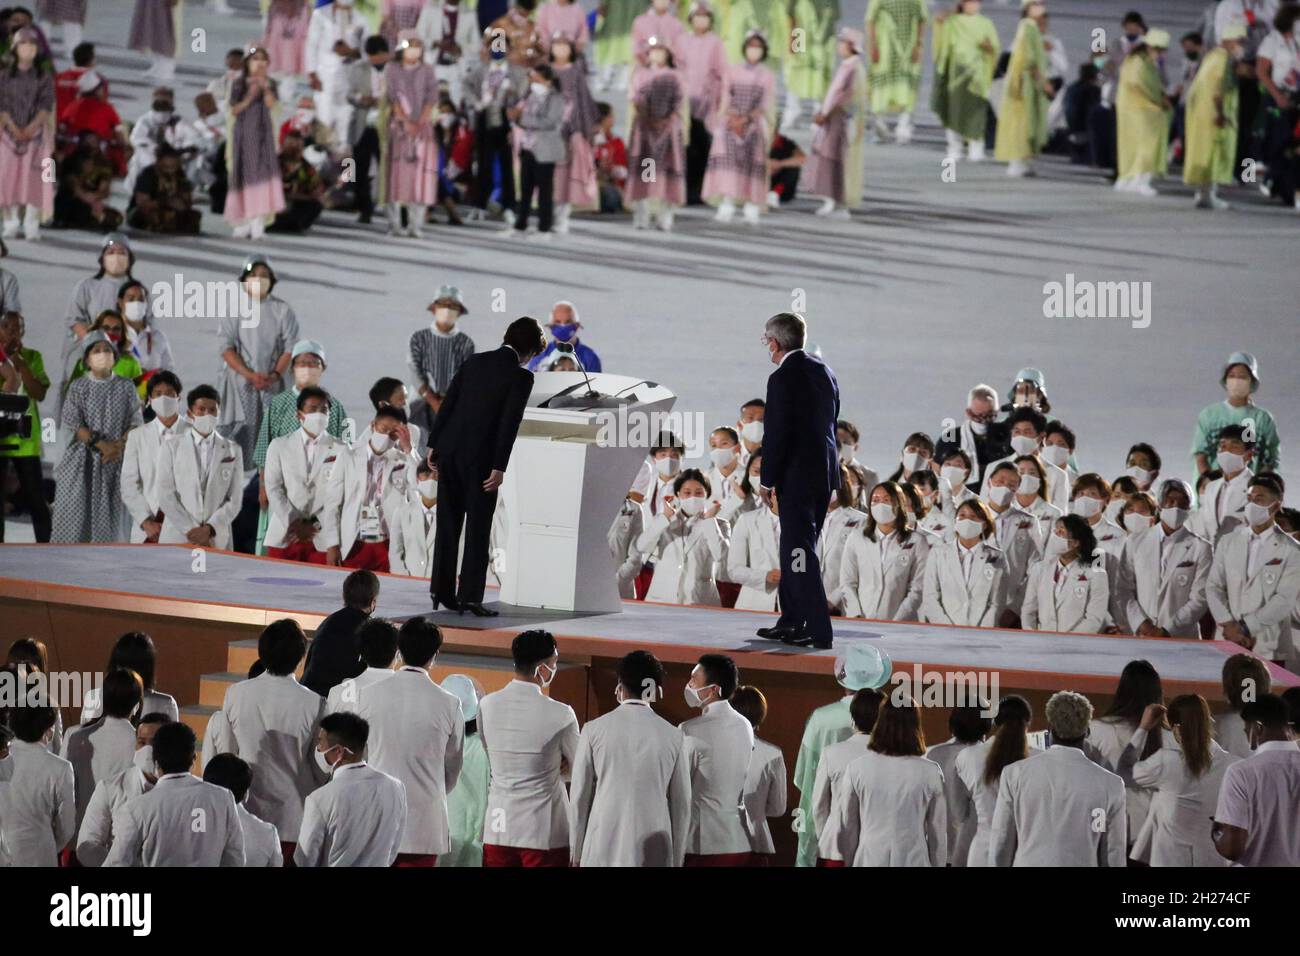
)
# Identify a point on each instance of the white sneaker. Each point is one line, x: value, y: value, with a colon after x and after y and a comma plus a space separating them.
x: 508, y: 217
x: 903, y: 132
x: 726, y: 211
x: 12, y: 224
x: 826, y: 208
x: 641, y: 215
x: 1017, y: 168
x: 841, y: 215
x: 1125, y: 185
x: 32, y: 224
x: 510, y: 232
x: 751, y: 213
x: 1143, y: 186
x: 257, y: 228
x: 773, y: 200
x: 954, y: 144
x: 562, y: 214
x: 242, y: 231
x: 547, y: 236
x: 666, y: 219
x: 976, y: 151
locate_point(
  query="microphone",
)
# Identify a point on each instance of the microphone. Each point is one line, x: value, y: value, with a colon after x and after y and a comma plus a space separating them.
x: 566, y: 348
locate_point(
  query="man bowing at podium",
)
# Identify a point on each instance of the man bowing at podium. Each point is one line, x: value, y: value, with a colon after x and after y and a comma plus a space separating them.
x: 469, y: 445
x: 801, y: 467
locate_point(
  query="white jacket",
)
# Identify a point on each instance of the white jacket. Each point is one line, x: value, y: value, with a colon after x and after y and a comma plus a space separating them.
x: 1080, y: 606
x: 891, y: 812
x: 628, y: 525
x: 835, y: 759
x: 1058, y: 809
x: 1263, y: 601
x: 144, y: 448
x: 1110, y: 736
x: 686, y: 553
x: 160, y: 828
x: 95, y: 836
x: 38, y: 807
x: 878, y: 592
x: 765, y: 794
x: 324, y: 30
x: 272, y: 724
x: 410, y: 543
x: 346, y: 494
x: 261, y: 840
x: 98, y: 751
x: 357, y: 819
x: 720, y: 743
x: 1168, y: 591
x: 630, y: 802
x: 752, y: 552
x: 345, y: 695
x: 1222, y: 506
x: 532, y: 742
x: 839, y: 524
x: 961, y: 810
x: 187, y: 501
x: 294, y: 492
x: 417, y: 734
x: 948, y: 596
x: 1020, y: 536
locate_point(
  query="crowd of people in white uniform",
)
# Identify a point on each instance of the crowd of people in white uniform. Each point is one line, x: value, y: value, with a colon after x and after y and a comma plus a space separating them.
x: 386, y: 767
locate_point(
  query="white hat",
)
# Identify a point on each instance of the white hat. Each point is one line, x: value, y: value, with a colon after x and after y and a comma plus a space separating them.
x: 462, y: 685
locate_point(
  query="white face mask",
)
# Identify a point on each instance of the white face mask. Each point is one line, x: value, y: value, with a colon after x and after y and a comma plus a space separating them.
x: 1238, y: 387
x: 323, y: 762
x: 165, y: 406
x: 1085, y: 507
x: 1133, y: 523
x: 1140, y: 475
x: 314, y: 423
x: 304, y: 376
x: 968, y: 528
x: 444, y: 317
x: 911, y: 460
x: 722, y: 457
x: 1056, y: 545
x: 693, y: 695
x: 540, y: 672
x: 846, y: 454
x: 257, y: 286
x: 116, y: 264
x: 979, y: 428
x: 538, y: 89
x: 1023, y: 444
x: 1000, y: 494
x: 428, y: 488
x: 752, y: 432
x: 1257, y: 514
x: 883, y: 512
x: 379, y: 442
x: 1230, y: 462
x: 1113, y: 508
x: 668, y: 466
x: 954, y: 476
x: 1056, y: 455
x: 102, y: 361
x: 204, y: 424
x: 1029, y: 485
x: 143, y: 760
x: 136, y: 311
x: 1174, y: 518
x: 692, y: 507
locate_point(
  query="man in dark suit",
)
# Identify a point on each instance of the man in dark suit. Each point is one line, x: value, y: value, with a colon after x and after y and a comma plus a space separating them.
x: 801, y: 467
x: 470, y: 445
x: 334, y: 654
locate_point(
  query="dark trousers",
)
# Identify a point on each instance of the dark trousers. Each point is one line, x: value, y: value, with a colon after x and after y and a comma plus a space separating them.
x: 493, y: 147
x: 364, y: 153
x: 800, y: 593
x: 31, y: 485
x: 298, y: 216
x: 461, y: 500
x: 220, y: 182
x: 697, y: 161
x: 1279, y: 152
x: 243, y: 530
x: 539, y: 177
x: 1248, y: 105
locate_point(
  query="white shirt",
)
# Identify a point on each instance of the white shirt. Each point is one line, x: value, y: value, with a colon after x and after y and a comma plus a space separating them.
x: 162, y: 827
x: 38, y: 811
x: 531, y: 742
x: 203, y: 450
x: 357, y: 819
x: 1255, y: 541
x: 1284, y: 54
x: 1261, y: 795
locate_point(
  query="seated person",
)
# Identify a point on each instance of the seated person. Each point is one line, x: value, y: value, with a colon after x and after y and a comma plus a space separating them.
x: 90, y: 110
x: 611, y: 161
x: 303, y: 188
x: 85, y: 176
x: 163, y: 199
x: 785, y: 159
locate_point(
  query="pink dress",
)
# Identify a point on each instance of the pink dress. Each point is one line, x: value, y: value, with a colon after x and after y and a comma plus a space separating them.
x: 23, y: 94
x: 256, y: 187
x: 825, y: 169
x: 567, y: 18
x: 702, y: 58
x: 399, y: 15
x: 410, y: 162
x: 738, y: 162
x: 575, y: 178
x: 656, y: 156
x: 286, y: 36
x: 650, y: 24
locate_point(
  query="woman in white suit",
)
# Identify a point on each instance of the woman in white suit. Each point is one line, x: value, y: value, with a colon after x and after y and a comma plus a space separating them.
x: 884, y: 565
x: 754, y: 557
x: 144, y: 448
x: 979, y: 768
x: 1031, y: 494
x: 1139, y: 688
x: 1185, y: 780
x: 842, y: 519
x: 932, y: 516
x: 415, y: 525
x: 688, y: 543
x: 966, y: 576
x: 1164, y: 568
x: 1068, y: 589
x: 1089, y: 498
x: 954, y: 473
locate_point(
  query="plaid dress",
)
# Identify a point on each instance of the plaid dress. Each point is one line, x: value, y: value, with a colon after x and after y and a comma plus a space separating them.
x: 895, y: 78
x: 738, y: 162
x: 153, y: 28
x: 61, y: 11
x: 88, y: 505
x: 656, y: 156
x: 575, y: 178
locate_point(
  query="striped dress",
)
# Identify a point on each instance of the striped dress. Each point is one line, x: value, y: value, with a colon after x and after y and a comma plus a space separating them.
x: 153, y: 27
x: 436, y: 358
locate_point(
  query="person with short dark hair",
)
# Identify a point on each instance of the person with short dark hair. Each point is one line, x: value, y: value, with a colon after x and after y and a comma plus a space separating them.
x: 334, y: 654
x: 200, y: 478
x: 415, y: 527
x: 687, y: 542
x: 38, y: 805
x: 105, y: 747
x: 1257, y: 822
x: 417, y: 733
x: 295, y: 479
x: 377, y: 643
x: 766, y: 782
x: 1069, y: 589
x: 531, y: 743
x: 631, y: 794
x: 270, y: 721
x: 470, y: 444
x: 261, y: 841
x: 95, y: 834
x: 1245, y: 677
x: 158, y: 828
x: 359, y: 816
x: 835, y: 759
x: 969, y: 725
x: 144, y: 450
x: 162, y: 197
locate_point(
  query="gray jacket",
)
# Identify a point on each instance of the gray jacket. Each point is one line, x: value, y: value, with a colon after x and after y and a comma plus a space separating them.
x: 359, y: 77
x: 542, y: 135
x: 510, y: 92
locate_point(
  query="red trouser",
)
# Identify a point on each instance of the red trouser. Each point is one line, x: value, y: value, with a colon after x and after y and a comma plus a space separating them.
x: 298, y: 551
x: 830, y: 863
x: 642, y: 582
x: 728, y: 591
x: 409, y: 860
x: 286, y: 851
x: 368, y: 556
x: 719, y: 859
x: 519, y: 856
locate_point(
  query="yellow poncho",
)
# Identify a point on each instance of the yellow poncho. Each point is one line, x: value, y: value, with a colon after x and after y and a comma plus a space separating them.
x: 1142, y: 122
x: 1211, y: 149
x: 1022, y: 120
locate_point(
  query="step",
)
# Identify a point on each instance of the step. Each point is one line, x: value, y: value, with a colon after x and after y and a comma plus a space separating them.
x: 241, y: 655
x: 213, y: 687
x: 196, y: 716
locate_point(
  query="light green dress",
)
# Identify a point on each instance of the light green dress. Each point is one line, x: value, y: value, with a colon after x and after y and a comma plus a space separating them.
x: 467, y: 806
x: 766, y: 15
x: 827, y: 725
x: 808, y: 71
x: 895, y: 78
x: 1211, y: 148
x: 613, y: 40
x: 1022, y: 120
x: 963, y: 72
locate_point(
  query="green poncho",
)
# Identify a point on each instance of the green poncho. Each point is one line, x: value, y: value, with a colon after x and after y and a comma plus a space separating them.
x: 808, y: 70
x: 613, y: 41
x: 740, y: 16
x: 894, y: 77
x: 827, y: 725
x: 1141, y: 120
x: 1211, y: 148
x: 966, y: 50
x: 1022, y: 120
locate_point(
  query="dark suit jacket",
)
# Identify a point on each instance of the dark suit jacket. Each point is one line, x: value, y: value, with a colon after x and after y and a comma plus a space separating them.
x: 800, y: 450
x: 480, y: 415
x: 334, y: 654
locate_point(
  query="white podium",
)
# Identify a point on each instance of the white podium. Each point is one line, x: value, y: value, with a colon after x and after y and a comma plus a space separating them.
x: 572, y: 465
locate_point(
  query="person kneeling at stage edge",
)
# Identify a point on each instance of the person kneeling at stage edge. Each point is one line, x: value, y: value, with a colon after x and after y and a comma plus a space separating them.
x: 364, y: 494
x: 298, y: 470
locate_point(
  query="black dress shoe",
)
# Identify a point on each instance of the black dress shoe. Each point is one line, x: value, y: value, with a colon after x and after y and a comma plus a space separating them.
x: 477, y: 609
x: 776, y: 632
x: 451, y: 604
x: 797, y: 637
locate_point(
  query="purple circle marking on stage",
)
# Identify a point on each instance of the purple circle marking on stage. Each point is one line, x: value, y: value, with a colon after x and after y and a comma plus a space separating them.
x: 285, y: 581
